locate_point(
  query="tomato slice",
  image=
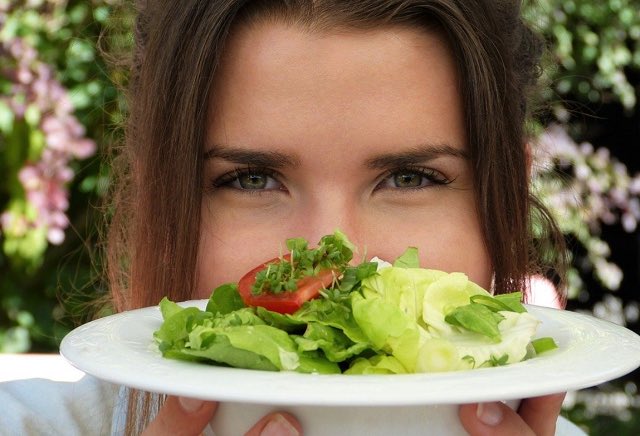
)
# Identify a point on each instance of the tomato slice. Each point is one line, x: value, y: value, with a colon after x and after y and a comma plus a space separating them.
x: 287, y: 301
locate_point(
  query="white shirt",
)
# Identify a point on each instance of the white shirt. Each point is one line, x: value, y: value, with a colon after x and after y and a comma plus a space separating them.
x: 44, y: 395
x: 45, y: 407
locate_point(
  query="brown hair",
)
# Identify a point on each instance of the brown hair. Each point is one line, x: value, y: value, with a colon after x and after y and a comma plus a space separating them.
x: 152, y: 242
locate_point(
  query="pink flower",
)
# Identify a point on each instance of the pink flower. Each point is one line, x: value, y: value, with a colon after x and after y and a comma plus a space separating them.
x: 55, y: 235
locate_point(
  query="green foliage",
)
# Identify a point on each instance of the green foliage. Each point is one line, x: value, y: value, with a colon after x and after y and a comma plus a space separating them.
x: 596, y: 45
x: 594, y: 54
x: 594, y: 61
x: 54, y: 87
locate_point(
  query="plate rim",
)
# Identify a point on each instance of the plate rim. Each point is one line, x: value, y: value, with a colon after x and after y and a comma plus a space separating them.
x: 372, y: 390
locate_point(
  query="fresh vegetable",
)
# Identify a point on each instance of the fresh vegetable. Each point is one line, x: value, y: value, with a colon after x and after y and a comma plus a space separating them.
x: 285, y: 300
x: 310, y: 311
x: 283, y: 284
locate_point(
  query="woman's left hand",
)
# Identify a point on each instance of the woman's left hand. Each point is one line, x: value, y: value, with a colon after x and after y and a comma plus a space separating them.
x: 535, y: 416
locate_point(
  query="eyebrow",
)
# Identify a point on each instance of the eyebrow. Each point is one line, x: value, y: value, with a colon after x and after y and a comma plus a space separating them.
x: 275, y: 159
x: 420, y: 153
x: 258, y: 158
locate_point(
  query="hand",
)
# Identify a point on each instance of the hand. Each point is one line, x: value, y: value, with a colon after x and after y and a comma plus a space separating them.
x: 535, y: 416
x: 186, y: 416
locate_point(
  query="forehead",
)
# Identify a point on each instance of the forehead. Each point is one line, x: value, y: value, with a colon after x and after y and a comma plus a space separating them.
x: 335, y: 85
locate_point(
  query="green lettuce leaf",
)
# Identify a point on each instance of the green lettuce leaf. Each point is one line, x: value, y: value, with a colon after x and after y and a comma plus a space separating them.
x: 408, y: 259
x: 225, y: 299
x: 378, y: 319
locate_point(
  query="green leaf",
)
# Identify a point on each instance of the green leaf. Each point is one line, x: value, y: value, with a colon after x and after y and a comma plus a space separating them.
x: 32, y: 115
x: 225, y: 299
x: 498, y: 361
x: 507, y: 302
x: 336, y: 346
x: 6, y: 118
x: 408, y: 259
x: 297, y: 244
x: 168, y: 308
x: 512, y: 300
x: 220, y: 350
x: 353, y: 276
x: 331, y: 313
x: 37, y: 143
x: 277, y: 347
x: 281, y: 321
x: 379, y: 364
x: 78, y: 14
x: 101, y: 14
x: 476, y: 318
x: 175, y: 328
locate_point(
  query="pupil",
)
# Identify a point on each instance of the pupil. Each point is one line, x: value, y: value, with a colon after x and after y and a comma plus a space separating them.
x: 407, y: 180
x: 253, y: 181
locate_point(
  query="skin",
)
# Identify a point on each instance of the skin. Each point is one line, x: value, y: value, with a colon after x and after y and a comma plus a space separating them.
x: 319, y: 127
x: 338, y: 108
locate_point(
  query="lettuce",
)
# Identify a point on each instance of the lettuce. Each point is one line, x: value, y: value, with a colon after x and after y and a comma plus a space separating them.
x: 393, y: 319
x: 435, y: 321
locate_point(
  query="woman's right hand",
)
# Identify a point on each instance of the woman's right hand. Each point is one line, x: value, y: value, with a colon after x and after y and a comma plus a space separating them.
x: 187, y: 416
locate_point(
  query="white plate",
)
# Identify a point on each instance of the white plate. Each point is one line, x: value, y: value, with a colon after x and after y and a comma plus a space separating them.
x: 120, y: 349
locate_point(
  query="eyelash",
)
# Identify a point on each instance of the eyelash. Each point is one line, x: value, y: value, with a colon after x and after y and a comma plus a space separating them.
x: 228, y: 178
x: 435, y: 178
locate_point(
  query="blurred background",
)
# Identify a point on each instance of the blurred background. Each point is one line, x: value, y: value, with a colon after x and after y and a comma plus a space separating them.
x: 62, y: 73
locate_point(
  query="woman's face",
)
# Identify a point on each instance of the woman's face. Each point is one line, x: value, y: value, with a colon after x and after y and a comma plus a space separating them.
x: 356, y: 130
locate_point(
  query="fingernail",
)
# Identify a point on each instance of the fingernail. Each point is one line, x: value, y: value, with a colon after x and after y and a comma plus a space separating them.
x: 489, y: 413
x: 190, y: 405
x: 278, y: 425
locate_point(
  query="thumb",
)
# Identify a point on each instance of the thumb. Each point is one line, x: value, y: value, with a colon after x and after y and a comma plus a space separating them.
x: 276, y: 424
x: 181, y: 416
x: 492, y: 419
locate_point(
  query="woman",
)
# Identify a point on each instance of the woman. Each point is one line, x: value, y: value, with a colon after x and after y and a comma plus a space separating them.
x: 399, y: 122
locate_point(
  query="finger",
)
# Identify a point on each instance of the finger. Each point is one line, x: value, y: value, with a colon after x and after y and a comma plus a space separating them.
x: 541, y: 413
x: 276, y: 424
x: 492, y: 419
x: 181, y: 416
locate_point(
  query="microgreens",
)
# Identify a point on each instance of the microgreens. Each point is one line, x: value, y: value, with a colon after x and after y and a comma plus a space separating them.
x: 333, y: 252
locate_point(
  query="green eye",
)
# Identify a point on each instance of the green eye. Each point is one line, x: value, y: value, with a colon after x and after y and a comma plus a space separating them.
x: 407, y: 179
x: 253, y: 181
x: 249, y: 179
x: 410, y: 178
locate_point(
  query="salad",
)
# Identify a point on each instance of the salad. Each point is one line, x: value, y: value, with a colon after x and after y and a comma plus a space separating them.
x: 310, y: 311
